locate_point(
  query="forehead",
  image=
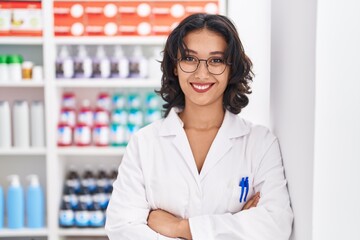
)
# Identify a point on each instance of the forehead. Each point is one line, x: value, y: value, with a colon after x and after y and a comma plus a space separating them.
x: 205, y: 42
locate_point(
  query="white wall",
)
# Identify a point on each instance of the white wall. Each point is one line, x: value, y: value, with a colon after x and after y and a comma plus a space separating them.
x: 337, y: 125
x: 252, y: 20
x: 292, y: 101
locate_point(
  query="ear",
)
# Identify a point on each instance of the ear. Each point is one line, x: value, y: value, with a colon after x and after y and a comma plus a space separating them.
x: 175, y: 72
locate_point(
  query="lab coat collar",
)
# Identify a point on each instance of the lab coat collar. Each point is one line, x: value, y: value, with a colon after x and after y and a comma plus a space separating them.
x: 232, y: 127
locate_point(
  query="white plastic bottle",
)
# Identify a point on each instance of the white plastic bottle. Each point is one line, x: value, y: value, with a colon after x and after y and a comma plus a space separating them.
x: 155, y: 72
x: 82, y: 64
x: 64, y: 64
x: 15, y: 203
x: 14, y: 64
x: 34, y: 203
x: 138, y: 64
x: 5, y: 125
x: 37, y: 124
x: 4, y: 69
x: 101, y: 64
x: 21, y: 124
x: 119, y: 64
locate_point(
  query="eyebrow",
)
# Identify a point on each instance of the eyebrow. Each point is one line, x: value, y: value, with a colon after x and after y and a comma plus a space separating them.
x: 211, y: 53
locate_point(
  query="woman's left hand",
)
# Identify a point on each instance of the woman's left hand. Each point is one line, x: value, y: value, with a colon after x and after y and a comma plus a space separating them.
x: 168, y: 225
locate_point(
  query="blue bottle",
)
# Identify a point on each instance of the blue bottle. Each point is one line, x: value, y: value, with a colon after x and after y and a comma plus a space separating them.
x: 34, y: 203
x: 1, y: 208
x: 15, y: 203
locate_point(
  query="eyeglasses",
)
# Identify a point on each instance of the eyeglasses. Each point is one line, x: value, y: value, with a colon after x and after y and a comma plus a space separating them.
x: 215, y: 65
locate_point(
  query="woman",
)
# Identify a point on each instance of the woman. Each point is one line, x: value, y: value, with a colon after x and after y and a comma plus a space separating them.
x: 202, y: 172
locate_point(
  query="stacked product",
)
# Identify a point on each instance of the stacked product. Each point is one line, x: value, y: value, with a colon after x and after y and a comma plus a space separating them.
x: 27, y: 123
x: 111, y: 123
x: 14, y: 69
x: 85, y: 198
x: 103, y: 65
x: 22, y: 210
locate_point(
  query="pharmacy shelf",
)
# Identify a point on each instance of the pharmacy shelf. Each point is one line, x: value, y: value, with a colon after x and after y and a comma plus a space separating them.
x: 77, y: 232
x: 123, y: 40
x: 21, y: 40
x: 90, y: 151
x: 23, y: 84
x: 108, y: 83
x: 22, y: 151
x: 24, y: 232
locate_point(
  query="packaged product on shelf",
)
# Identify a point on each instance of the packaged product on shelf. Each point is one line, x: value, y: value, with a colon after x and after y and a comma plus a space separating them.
x: 82, y: 135
x: 151, y: 115
x: 21, y: 124
x: 101, y: 135
x: 37, y: 74
x: 119, y: 116
x: 70, y: 197
x: 101, y: 117
x: 67, y: 116
x: 85, y: 198
x: 119, y: 101
x: 4, y: 68
x: 66, y: 215
x: 26, y: 18
x: 118, y: 135
x: 135, y: 117
x: 138, y: 64
x: 88, y: 180
x: 130, y: 130
x: 14, y: 65
x: 37, y: 123
x: 104, y: 101
x: 64, y: 135
x: 34, y: 203
x: 86, y: 115
x: 2, y: 211
x: 134, y: 101
x: 27, y: 67
x: 68, y: 100
x: 5, y: 125
x: 64, y: 65
x: 73, y: 180
x: 82, y: 216
x: 101, y: 197
x: 15, y: 206
x: 101, y: 63
x: 83, y: 67
x: 152, y: 101
x: 97, y: 216
x: 5, y: 18
x: 119, y: 64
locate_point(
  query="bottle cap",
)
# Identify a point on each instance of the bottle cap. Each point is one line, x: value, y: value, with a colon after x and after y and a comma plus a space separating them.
x: 14, y: 59
x: 82, y: 53
x: 33, y: 180
x: 14, y: 180
x: 3, y: 59
x: 64, y: 53
x: 100, y: 52
x: 27, y: 65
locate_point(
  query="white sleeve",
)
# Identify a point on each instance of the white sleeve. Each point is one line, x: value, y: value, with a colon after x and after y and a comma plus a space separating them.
x: 271, y: 219
x: 128, y: 210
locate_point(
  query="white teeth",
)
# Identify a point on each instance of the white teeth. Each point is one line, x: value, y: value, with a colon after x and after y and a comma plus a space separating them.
x: 201, y: 87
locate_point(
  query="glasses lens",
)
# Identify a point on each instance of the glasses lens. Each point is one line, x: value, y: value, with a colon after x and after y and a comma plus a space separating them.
x: 190, y: 64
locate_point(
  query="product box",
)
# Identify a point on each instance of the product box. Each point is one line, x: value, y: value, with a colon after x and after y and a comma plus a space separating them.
x: 102, y: 18
x: 21, y: 18
x: 69, y: 18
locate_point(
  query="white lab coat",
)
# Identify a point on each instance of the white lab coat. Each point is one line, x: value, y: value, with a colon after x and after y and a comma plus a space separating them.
x: 158, y: 171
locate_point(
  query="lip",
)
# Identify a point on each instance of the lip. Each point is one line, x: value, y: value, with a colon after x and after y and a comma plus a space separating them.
x: 201, y: 87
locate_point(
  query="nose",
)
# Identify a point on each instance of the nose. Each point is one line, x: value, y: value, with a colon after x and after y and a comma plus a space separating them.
x: 202, y: 70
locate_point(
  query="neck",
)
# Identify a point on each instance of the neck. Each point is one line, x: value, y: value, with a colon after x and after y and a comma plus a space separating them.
x: 202, y: 118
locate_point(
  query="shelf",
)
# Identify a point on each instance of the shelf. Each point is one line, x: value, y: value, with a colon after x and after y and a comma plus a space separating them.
x: 125, y: 40
x: 93, y: 232
x: 24, y: 232
x: 21, y: 40
x: 108, y: 83
x: 22, y: 151
x: 24, y: 84
x: 91, y: 151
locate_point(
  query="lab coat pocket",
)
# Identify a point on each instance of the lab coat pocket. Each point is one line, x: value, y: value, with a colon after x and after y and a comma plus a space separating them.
x: 241, y: 192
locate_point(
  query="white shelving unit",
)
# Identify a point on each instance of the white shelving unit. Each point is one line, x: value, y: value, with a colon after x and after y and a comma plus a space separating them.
x: 50, y: 162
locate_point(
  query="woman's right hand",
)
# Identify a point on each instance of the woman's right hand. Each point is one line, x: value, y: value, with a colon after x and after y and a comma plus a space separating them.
x: 253, y: 201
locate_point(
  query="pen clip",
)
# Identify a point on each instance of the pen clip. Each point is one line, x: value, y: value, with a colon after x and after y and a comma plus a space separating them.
x: 246, y: 183
x: 241, y: 184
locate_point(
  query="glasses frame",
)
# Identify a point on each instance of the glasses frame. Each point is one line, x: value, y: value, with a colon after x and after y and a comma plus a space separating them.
x: 198, y: 64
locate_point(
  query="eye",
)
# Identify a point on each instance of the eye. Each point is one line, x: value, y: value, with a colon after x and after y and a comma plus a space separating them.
x: 189, y: 59
x: 216, y: 61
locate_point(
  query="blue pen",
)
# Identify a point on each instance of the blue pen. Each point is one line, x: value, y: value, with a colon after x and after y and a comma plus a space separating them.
x: 247, y: 187
x: 242, y: 185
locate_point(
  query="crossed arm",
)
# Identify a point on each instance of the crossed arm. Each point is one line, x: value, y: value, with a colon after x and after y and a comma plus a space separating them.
x: 171, y: 226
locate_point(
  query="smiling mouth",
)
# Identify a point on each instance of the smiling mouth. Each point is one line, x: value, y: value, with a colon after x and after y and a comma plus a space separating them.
x: 201, y: 88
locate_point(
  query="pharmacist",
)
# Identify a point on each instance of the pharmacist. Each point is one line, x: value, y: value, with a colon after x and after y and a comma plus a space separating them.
x: 202, y: 172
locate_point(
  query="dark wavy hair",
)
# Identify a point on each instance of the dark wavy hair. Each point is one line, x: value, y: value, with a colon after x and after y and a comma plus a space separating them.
x: 240, y: 65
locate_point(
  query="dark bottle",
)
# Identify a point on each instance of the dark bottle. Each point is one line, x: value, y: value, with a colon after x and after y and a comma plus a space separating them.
x: 73, y: 180
x: 88, y: 181
x: 71, y: 197
x: 82, y: 216
x: 66, y: 215
x: 101, y: 198
x: 85, y: 198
